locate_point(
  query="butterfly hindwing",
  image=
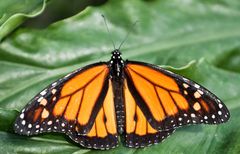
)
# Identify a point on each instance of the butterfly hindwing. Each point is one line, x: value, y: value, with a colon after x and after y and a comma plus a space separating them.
x: 169, y: 100
x: 74, y: 105
x: 103, y: 134
x: 139, y: 132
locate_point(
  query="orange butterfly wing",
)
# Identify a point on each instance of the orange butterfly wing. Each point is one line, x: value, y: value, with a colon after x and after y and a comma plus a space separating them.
x: 80, y: 105
x: 169, y: 100
x: 139, y: 132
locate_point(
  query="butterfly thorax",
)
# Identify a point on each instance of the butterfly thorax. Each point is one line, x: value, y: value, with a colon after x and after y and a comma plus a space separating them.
x: 116, y: 64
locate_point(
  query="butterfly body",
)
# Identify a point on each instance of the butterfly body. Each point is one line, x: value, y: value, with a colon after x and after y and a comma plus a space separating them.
x: 142, y: 102
x: 116, y: 65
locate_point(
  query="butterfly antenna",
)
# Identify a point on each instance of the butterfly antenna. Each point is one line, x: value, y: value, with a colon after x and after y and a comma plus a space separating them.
x: 110, y: 38
x: 126, y: 37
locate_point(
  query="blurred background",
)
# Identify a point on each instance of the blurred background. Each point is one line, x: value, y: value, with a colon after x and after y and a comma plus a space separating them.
x: 41, y: 41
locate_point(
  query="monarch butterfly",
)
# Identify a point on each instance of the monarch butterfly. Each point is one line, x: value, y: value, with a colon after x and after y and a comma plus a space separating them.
x: 142, y: 102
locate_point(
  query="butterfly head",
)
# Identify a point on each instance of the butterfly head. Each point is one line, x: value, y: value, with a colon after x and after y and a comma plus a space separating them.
x: 116, y: 54
x: 116, y: 57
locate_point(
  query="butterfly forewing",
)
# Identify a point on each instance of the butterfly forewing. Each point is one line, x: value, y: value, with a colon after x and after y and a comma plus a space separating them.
x: 169, y: 100
x: 66, y: 106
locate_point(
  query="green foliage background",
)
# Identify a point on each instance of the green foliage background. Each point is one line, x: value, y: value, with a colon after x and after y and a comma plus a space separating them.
x: 197, y: 38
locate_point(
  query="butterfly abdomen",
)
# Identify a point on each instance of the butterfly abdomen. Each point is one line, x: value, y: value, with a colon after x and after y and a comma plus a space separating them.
x: 119, y: 105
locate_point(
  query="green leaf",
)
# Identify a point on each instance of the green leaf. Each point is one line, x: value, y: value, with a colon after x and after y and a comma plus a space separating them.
x: 8, y: 117
x: 14, y: 12
x: 12, y: 143
x: 200, y: 38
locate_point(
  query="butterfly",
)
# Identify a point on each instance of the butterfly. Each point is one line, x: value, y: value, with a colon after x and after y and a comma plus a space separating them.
x: 141, y: 102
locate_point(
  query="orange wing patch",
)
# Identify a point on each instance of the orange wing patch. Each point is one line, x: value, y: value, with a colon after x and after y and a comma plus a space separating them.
x: 37, y: 113
x: 167, y: 101
x: 109, y: 111
x: 60, y: 106
x: 149, y: 95
x: 82, y: 79
x: 204, y: 104
x: 180, y: 101
x: 105, y: 122
x: 93, y: 91
x: 135, y: 119
x: 154, y: 76
x: 139, y: 132
x: 73, y: 106
x: 75, y: 101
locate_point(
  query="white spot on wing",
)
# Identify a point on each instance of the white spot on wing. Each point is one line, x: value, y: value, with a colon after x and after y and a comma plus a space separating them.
x: 54, y: 84
x: 196, y: 106
x: 185, y: 85
x: 54, y: 91
x: 200, y: 91
x: 40, y: 99
x: 45, y: 114
x: 43, y: 92
x: 23, y: 122
x: 196, y: 86
x: 219, y: 113
x: 49, y: 122
x: 22, y: 116
x: 197, y: 94
x: 43, y: 102
x: 220, y: 105
x: 67, y: 75
x: 54, y: 98
x: 193, y: 115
